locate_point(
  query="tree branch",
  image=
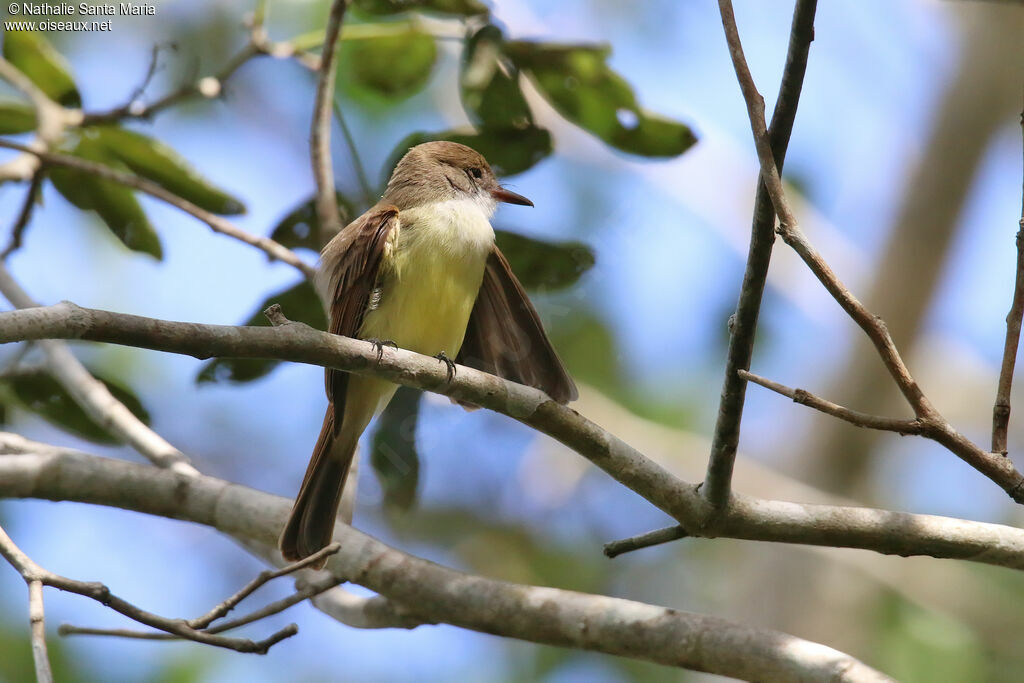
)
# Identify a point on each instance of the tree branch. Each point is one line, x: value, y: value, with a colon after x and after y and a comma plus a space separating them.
x: 996, y: 467
x: 320, y: 135
x: 725, y: 441
x: 889, y: 424
x: 272, y: 249
x: 93, y: 396
x: 748, y: 518
x: 36, y: 575
x: 544, y: 615
x: 24, y: 215
x: 1001, y: 409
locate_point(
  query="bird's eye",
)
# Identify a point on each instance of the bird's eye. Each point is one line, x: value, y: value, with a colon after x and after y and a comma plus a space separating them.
x: 476, y: 173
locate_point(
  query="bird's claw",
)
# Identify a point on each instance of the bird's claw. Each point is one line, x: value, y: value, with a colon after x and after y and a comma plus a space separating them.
x: 379, y: 344
x: 449, y: 364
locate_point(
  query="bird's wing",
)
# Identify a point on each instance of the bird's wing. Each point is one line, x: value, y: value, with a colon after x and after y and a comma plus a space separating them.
x: 351, y: 264
x: 505, y: 336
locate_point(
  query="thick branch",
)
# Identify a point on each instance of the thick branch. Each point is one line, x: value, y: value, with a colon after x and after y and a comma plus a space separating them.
x: 749, y: 518
x: 93, y: 397
x: 320, y: 135
x: 544, y: 615
x: 996, y: 467
x: 225, y: 227
x: 725, y: 441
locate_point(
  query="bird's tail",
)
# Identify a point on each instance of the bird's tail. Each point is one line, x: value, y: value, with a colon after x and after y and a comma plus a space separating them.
x: 311, y: 523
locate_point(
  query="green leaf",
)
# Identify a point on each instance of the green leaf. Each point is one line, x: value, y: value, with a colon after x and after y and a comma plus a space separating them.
x: 114, y: 203
x: 509, y: 150
x: 43, y: 65
x: 394, y: 455
x: 465, y: 8
x: 301, y: 227
x: 544, y: 265
x: 490, y: 83
x: 391, y: 66
x: 39, y: 392
x: 16, y: 117
x: 576, y: 79
x: 156, y: 161
x: 299, y: 303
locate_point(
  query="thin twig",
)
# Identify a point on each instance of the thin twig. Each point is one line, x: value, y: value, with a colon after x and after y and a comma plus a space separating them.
x: 725, y: 441
x: 208, y: 87
x: 32, y: 572
x: 995, y: 467
x: 651, y: 538
x: 867, y: 420
x: 357, y: 163
x: 306, y: 592
x: 320, y: 135
x: 271, y: 248
x: 1001, y: 409
x: 37, y: 619
x: 93, y: 396
x: 223, y: 608
x: 25, y: 215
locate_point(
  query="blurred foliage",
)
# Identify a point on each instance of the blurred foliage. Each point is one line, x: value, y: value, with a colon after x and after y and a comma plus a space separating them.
x: 393, y: 450
x: 391, y: 65
x: 113, y: 203
x: 159, y: 163
x: 464, y: 8
x: 299, y: 303
x: 543, y: 265
x: 36, y: 390
x: 919, y: 647
x: 33, y: 55
x: 300, y: 228
x: 16, y: 657
x: 579, y: 83
x: 490, y: 82
x: 16, y: 117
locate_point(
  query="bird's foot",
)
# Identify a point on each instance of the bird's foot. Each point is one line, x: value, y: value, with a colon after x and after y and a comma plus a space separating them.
x: 379, y: 344
x: 449, y: 364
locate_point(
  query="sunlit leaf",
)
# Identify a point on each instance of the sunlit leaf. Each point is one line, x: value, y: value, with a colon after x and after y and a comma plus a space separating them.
x: 114, y: 203
x: 299, y: 303
x: 301, y: 227
x: 394, y: 455
x: 156, y: 161
x: 39, y: 392
x: 391, y: 66
x: 43, y: 65
x: 490, y: 83
x: 509, y: 150
x: 466, y: 8
x: 576, y: 79
x: 16, y: 117
x: 544, y: 265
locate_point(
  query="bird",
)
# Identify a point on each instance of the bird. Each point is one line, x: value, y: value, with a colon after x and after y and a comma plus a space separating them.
x: 419, y: 270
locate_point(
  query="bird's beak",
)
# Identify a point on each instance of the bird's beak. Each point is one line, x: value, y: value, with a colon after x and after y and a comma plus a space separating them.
x: 509, y: 197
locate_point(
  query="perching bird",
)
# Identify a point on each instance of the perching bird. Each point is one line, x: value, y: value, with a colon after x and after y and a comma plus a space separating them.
x: 420, y: 269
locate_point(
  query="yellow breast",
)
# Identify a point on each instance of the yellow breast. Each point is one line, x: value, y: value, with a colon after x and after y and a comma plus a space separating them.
x: 433, y: 278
